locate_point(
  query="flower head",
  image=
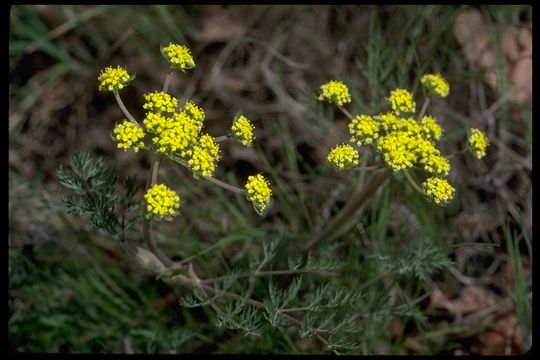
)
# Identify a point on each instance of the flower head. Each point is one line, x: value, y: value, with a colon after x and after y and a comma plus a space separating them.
x: 155, y: 123
x: 401, y: 101
x: 194, y: 112
x: 176, y: 133
x: 179, y: 56
x: 203, y: 156
x: 343, y: 157
x: 363, y: 130
x: 129, y: 136
x: 335, y: 92
x: 111, y: 79
x: 397, y: 149
x: 436, y: 164
x: 430, y: 128
x: 387, y: 122
x: 242, y: 130
x: 161, y: 202
x: 436, y: 84
x: 258, y: 192
x: 160, y: 102
x: 438, y: 190
x: 477, y: 143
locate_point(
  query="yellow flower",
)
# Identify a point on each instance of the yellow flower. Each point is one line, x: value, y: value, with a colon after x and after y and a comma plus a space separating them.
x: 436, y: 84
x: 401, y: 101
x: 204, y: 156
x: 430, y: 128
x: 397, y: 149
x: 178, y: 133
x: 343, y: 157
x: 160, y: 102
x: 438, y: 190
x: 243, y: 130
x: 161, y: 202
x: 387, y: 122
x: 179, y: 56
x: 436, y: 164
x: 477, y: 143
x: 363, y: 130
x: 335, y: 92
x: 113, y: 79
x: 155, y: 123
x: 129, y: 136
x: 258, y: 192
x: 194, y: 112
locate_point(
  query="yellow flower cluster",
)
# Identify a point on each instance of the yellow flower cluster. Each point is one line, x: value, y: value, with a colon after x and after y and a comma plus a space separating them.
x: 194, y: 112
x: 179, y: 56
x: 129, y: 136
x: 258, y: 192
x: 436, y: 84
x: 387, y: 122
x: 431, y: 128
x: 344, y: 157
x: 242, y: 130
x: 173, y: 134
x: 204, y: 156
x: 397, y: 149
x: 111, y: 79
x: 438, y: 190
x: 363, y: 129
x: 160, y: 102
x: 401, y: 101
x: 161, y: 202
x: 402, y: 141
x: 335, y: 92
x: 477, y: 143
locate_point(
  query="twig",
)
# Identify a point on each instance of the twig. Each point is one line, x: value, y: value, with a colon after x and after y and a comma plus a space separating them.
x: 123, y: 108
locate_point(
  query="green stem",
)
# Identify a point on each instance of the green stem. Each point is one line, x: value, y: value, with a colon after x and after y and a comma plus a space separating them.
x: 167, y: 79
x: 412, y: 182
x: 222, y: 138
x: 424, y: 108
x: 147, y: 224
x: 344, y: 111
x: 213, y: 180
x: 124, y: 109
x: 344, y: 220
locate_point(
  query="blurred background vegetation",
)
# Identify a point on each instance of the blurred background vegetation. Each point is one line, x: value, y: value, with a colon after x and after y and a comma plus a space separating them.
x: 73, y: 290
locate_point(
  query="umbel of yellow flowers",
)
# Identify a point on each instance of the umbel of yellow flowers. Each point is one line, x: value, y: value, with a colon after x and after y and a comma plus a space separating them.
x: 403, y: 141
x: 174, y: 132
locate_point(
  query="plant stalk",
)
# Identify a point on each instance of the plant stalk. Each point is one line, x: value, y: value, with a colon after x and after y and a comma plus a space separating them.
x: 147, y: 224
x: 344, y: 220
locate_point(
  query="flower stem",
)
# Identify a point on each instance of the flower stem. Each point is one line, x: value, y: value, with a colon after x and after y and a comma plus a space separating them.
x: 424, y: 108
x: 167, y: 79
x: 412, y: 182
x: 344, y: 111
x: 344, y: 220
x: 211, y: 179
x: 123, y: 108
x: 147, y: 224
x: 222, y: 138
